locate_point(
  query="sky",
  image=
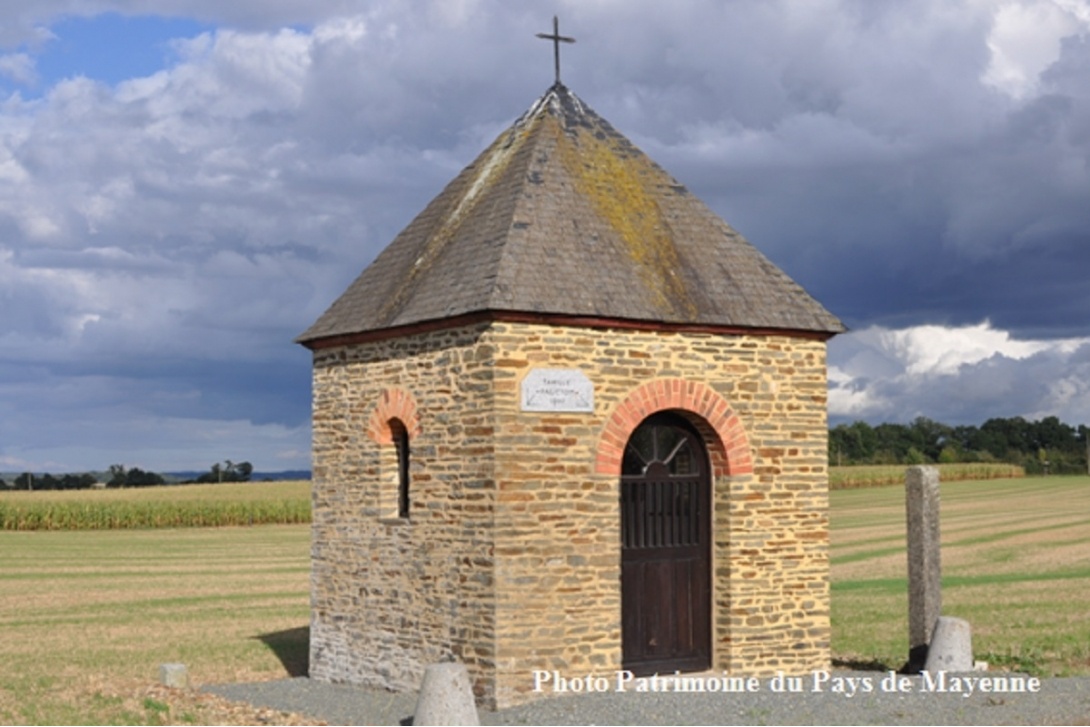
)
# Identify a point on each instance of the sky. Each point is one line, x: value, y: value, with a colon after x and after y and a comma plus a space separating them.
x: 185, y: 185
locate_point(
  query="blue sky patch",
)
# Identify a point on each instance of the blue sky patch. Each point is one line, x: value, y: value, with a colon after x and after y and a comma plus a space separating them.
x: 111, y: 47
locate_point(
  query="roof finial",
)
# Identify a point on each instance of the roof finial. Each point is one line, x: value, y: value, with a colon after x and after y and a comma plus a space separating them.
x: 557, y: 39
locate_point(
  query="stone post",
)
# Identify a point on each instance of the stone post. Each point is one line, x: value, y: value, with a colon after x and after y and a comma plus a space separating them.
x: 446, y: 696
x: 924, y: 569
x: 951, y: 647
x: 174, y: 675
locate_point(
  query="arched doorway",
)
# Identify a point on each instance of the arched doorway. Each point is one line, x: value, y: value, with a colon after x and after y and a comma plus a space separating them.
x: 665, y: 548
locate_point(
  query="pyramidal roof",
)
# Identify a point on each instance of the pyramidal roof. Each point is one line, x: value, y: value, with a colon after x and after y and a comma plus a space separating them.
x: 563, y: 217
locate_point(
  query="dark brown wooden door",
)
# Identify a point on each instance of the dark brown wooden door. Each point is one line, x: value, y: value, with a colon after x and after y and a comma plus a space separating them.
x: 665, y: 549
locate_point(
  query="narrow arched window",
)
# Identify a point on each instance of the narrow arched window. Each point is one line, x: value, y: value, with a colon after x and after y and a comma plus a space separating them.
x: 401, y: 443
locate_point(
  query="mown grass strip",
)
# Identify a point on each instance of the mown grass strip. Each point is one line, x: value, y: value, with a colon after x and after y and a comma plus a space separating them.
x: 1009, y: 534
x: 867, y: 555
x: 886, y: 585
x: 1006, y: 578
x: 144, y: 574
x: 875, y: 585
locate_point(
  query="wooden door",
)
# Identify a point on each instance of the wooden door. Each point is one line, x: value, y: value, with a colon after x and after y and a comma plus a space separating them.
x: 665, y: 548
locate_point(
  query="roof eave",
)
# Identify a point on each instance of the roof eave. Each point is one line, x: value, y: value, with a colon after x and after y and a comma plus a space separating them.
x: 319, y: 342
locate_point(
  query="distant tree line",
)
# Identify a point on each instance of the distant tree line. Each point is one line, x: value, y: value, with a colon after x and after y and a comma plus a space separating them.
x: 29, y: 481
x: 1047, y: 446
x: 120, y: 476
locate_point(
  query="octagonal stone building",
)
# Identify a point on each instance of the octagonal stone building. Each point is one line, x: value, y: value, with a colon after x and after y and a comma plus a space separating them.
x: 568, y: 420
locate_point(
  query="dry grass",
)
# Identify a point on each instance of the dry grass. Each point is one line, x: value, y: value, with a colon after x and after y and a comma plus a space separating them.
x: 1015, y: 563
x: 87, y: 617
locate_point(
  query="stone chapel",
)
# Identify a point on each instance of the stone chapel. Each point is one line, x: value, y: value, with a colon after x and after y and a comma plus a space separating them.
x: 568, y: 420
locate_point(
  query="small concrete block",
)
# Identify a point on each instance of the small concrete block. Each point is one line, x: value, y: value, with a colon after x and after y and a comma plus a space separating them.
x: 446, y: 697
x: 951, y: 646
x: 174, y: 675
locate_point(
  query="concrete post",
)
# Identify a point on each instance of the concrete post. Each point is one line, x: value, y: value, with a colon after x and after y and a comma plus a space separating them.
x: 174, y: 675
x: 924, y: 568
x: 951, y: 647
x: 446, y: 697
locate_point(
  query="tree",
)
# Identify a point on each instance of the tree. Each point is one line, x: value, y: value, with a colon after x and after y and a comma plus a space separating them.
x: 1084, y: 431
x: 852, y: 443
x: 915, y: 456
x: 228, y: 472
x: 949, y: 454
x: 893, y: 443
x: 137, y: 477
x: 1051, y: 433
x: 929, y: 437
x: 1005, y: 435
x: 117, y: 476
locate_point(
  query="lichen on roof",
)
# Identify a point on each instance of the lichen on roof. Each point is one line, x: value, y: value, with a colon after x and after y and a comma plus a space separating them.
x: 618, y: 187
x: 562, y: 215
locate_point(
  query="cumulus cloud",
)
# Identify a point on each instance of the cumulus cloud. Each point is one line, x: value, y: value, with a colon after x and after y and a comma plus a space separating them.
x: 956, y: 375
x: 1025, y: 40
x: 18, y: 67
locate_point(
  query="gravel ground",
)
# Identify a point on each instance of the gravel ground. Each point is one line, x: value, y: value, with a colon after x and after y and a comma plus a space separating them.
x: 1059, y: 702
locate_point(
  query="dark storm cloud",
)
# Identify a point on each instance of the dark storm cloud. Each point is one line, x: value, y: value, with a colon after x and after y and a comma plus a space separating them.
x: 162, y: 240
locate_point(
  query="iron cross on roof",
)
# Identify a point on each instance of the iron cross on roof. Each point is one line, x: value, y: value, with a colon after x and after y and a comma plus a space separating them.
x: 557, y: 39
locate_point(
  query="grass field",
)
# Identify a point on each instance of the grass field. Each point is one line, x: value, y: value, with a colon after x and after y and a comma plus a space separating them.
x: 1015, y: 564
x: 88, y: 616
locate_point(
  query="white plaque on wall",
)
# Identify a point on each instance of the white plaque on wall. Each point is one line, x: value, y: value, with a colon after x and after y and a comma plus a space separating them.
x: 557, y: 390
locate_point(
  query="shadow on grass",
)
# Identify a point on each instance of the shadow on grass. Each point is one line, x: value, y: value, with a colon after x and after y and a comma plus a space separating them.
x: 292, y: 648
x: 861, y: 664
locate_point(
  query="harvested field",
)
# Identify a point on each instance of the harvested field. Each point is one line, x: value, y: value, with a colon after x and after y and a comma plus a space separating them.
x: 87, y: 617
x: 1015, y: 564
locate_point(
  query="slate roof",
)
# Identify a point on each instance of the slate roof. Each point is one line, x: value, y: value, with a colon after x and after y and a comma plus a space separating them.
x: 563, y: 216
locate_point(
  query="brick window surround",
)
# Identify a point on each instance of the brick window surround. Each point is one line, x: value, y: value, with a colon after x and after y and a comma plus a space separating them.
x: 393, y: 424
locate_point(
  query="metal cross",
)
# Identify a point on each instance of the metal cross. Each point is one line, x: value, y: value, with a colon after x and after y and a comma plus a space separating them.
x: 557, y: 39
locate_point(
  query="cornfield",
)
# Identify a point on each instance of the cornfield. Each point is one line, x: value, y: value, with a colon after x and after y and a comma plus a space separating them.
x: 157, y: 507
x: 285, y: 503
x: 848, y: 478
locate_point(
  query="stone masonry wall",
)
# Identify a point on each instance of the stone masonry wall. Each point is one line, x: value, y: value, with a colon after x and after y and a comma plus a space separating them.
x: 390, y: 596
x: 510, y: 560
x: 557, y: 523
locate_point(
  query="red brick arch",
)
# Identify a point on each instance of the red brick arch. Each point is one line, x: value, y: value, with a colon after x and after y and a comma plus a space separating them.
x: 728, y: 448
x: 392, y: 404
